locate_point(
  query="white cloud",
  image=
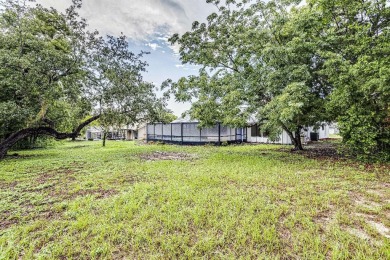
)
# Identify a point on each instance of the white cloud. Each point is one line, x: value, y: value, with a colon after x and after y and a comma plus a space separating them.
x: 179, y: 66
x: 140, y: 19
x: 153, y: 46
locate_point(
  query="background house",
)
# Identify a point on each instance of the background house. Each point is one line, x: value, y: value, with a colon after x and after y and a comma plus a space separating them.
x: 129, y: 132
x: 257, y: 135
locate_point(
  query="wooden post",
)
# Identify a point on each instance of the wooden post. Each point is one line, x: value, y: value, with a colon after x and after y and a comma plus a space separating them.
x: 181, y: 126
x: 147, y: 137
x: 219, y: 133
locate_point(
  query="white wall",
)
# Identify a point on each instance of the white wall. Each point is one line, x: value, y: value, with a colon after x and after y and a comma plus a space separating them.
x: 142, y: 133
x: 285, y: 139
x: 323, y: 131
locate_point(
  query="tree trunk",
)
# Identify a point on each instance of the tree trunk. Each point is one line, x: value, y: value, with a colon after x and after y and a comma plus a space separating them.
x: 104, y: 138
x: 295, y: 137
x: 6, y: 144
x: 298, y: 143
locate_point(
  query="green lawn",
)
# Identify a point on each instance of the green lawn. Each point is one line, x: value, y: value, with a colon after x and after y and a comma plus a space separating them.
x: 80, y: 200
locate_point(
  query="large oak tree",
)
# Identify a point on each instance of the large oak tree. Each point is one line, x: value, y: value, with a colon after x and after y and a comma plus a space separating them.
x: 293, y: 64
x: 254, y: 63
x: 56, y: 77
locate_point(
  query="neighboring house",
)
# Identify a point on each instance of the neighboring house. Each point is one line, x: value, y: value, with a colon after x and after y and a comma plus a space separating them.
x: 129, y: 132
x: 185, y: 131
x: 142, y: 135
x: 256, y: 135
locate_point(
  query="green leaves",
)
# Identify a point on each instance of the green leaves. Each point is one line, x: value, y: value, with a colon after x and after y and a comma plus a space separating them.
x: 53, y: 70
x: 293, y: 65
x: 355, y: 61
x: 258, y: 62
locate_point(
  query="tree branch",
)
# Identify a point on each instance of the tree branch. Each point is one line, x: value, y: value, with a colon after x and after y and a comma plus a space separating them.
x: 48, y: 131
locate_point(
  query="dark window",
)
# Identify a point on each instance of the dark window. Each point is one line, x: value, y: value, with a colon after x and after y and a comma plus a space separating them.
x: 255, y: 131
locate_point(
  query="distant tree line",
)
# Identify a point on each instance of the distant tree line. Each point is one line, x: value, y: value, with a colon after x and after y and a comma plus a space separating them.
x: 293, y: 64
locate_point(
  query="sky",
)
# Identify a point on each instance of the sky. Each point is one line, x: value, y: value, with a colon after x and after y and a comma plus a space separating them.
x: 148, y: 24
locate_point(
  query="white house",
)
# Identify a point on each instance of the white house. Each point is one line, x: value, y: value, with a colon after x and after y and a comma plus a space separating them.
x: 129, y: 132
x: 142, y: 132
x: 256, y: 135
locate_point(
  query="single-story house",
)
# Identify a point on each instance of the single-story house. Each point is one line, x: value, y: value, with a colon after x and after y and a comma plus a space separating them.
x: 128, y: 132
x: 185, y: 131
x: 256, y: 135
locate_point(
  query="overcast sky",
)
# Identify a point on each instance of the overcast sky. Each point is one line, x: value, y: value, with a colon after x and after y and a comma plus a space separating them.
x: 148, y: 24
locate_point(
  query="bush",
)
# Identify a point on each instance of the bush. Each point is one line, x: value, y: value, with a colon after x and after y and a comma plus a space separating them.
x: 34, y: 142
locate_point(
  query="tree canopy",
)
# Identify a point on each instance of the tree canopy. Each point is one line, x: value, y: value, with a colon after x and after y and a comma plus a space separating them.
x: 56, y: 77
x: 292, y: 64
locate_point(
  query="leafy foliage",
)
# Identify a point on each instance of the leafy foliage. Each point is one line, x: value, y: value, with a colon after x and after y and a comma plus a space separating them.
x: 54, y: 73
x: 356, y: 50
x: 293, y: 64
x: 253, y: 58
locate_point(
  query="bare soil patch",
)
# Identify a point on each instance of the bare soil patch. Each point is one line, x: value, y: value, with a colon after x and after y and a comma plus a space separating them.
x: 8, y: 185
x: 372, y: 219
x: 6, y: 220
x: 69, y: 195
x: 359, y: 233
x: 361, y: 201
x: 56, y: 186
x: 325, y: 219
x: 322, y: 150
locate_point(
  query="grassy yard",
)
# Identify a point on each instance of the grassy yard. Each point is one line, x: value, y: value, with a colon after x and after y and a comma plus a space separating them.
x: 80, y: 200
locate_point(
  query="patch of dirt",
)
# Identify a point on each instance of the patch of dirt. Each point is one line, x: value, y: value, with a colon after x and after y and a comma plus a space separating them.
x: 321, y: 150
x: 8, y: 185
x: 361, y: 201
x: 375, y: 224
x: 30, y: 212
x: 174, y: 156
x: 323, y: 220
x: 372, y: 220
x: 377, y: 192
x: 284, y: 233
x: 56, y: 174
x: 55, y: 185
x: 380, y: 228
x: 5, y: 221
x: 359, y: 233
x: 4, y: 224
x: 98, y: 193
